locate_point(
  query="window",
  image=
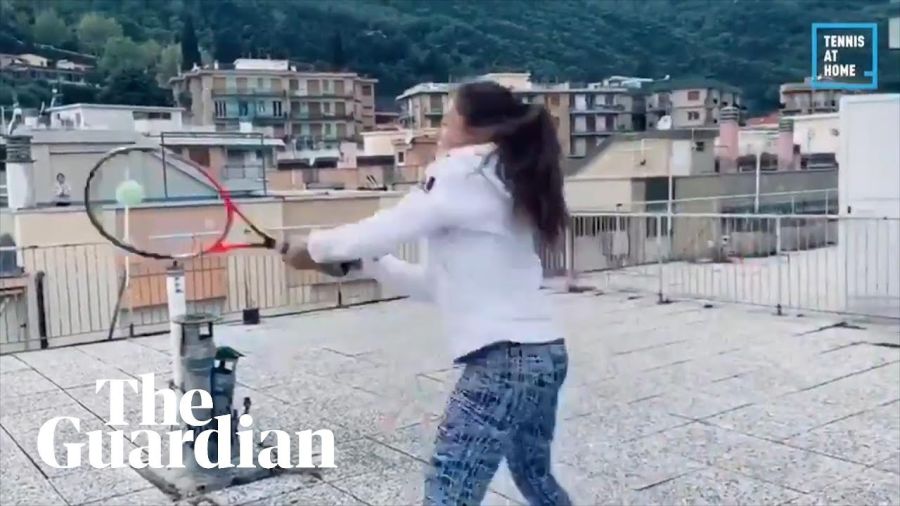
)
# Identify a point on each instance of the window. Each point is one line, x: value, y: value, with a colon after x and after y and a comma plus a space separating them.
x: 313, y: 86
x: 326, y: 107
x: 339, y: 87
x: 243, y: 109
x: 328, y: 129
x: 276, y: 108
x: 610, y: 122
x: 260, y: 106
x: 693, y: 115
x: 340, y: 109
x: 401, y: 156
x: 259, y: 83
x: 342, y: 130
x: 218, y: 83
x: 699, y: 146
x: 694, y: 95
x: 367, y: 90
x: 294, y: 85
x: 436, y: 103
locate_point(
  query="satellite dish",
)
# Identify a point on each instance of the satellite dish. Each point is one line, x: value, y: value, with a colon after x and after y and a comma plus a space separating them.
x: 665, y: 123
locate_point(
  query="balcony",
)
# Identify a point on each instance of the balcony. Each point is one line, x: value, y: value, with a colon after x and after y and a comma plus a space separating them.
x: 600, y: 109
x: 250, y: 92
x: 347, y: 95
x: 320, y: 116
x: 261, y: 117
x: 435, y: 113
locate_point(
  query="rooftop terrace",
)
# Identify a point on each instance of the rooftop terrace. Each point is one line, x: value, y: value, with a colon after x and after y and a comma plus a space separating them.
x: 680, y: 403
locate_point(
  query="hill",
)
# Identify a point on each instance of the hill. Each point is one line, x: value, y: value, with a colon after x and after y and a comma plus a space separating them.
x: 754, y: 44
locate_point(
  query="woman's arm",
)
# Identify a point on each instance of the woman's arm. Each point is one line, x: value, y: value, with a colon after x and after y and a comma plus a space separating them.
x: 399, y: 277
x: 418, y: 214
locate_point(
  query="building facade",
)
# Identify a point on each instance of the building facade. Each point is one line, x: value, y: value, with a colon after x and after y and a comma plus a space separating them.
x: 802, y: 98
x: 31, y: 67
x: 312, y: 109
x: 690, y: 102
x: 583, y: 114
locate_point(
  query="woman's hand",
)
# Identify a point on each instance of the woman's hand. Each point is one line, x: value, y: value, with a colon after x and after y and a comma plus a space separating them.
x: 296, y: 255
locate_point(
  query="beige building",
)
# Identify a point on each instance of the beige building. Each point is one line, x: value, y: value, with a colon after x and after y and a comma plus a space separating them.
x: 583, y: 115
x: 802, y: 98
x: 689, y: 102
x: 632, y: 168
x: 315, y: 109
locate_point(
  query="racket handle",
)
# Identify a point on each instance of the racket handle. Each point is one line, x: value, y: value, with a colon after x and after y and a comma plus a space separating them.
x: 340, y: 269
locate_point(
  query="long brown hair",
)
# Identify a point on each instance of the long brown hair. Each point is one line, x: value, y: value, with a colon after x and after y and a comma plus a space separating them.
x: 528, y: 149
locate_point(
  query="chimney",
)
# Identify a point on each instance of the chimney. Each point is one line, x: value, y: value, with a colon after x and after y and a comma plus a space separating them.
x: 785, y: 144
x: 19, y: 172
x: 729, y: 137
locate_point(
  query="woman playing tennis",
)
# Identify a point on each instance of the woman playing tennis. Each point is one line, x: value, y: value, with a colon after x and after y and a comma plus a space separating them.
x: 494, y: 194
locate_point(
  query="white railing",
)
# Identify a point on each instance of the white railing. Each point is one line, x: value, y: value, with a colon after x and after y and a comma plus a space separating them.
x: 62, y: 294
x: 68, y: 293
x: 788, y: 262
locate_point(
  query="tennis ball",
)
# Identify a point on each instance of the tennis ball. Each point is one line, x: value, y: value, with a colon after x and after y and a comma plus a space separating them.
x: 129, y: 193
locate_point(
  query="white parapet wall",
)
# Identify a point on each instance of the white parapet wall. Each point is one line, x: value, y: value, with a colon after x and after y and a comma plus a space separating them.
x: 869, y: 189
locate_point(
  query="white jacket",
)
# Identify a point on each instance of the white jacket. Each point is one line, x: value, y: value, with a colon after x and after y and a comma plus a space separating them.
x: 481, y: 268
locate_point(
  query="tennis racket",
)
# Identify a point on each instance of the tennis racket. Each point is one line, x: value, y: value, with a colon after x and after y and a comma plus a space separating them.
x: 170, y: 209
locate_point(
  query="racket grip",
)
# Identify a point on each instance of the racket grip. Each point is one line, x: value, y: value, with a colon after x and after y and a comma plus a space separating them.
x: 340, y: 269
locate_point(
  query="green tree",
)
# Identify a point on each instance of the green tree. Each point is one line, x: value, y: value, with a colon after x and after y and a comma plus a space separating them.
x: 150, y: 53
x: 169, y: 63
x: 95, y: 30
x: 226, y: 47
x: 133, y: 86
x: 121, y: 53
x: 49, y: 28
x: 338, y: 59
x: 190, y: 50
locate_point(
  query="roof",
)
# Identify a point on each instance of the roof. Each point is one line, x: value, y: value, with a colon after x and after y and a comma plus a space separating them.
x: 143, y: 108
x: 770, y: 119
x: 634, y: 362
x: 682, y: 84
x: 224, y: 140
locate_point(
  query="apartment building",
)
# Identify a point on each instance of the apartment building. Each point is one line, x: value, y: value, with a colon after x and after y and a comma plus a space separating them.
x: 313, y: 109
x: 32, y: 67
x: 583, y: 114
x: 802, y: 98
x: 689, y: 102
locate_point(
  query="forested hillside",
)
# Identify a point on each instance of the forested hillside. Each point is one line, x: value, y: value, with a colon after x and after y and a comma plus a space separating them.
x: 754, y: 44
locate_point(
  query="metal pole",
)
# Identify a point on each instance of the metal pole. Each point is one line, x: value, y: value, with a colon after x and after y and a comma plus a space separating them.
x: 778, y: 306
x: 262, y: 144
x: 659, y: 258
x: 162, y: 145
x: 175, y: 291
x: 756, y: 193
x: 670, y: 197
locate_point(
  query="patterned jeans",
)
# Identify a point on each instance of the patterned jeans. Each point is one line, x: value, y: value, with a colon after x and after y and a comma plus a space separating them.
x: 504, y: 406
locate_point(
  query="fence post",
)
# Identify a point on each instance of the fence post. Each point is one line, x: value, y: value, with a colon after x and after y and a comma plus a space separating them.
x: 659, y: 258
x: 569, y: 251
x: 177, y: 305
x: 778, y: 307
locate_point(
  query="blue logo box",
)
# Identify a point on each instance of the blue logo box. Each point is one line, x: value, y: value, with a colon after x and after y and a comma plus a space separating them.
x: 871, y: 35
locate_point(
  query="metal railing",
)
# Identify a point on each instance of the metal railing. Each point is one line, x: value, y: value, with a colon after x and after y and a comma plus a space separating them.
x: 68, y: 293
x: 63, y: 294
x: 826, y: 263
